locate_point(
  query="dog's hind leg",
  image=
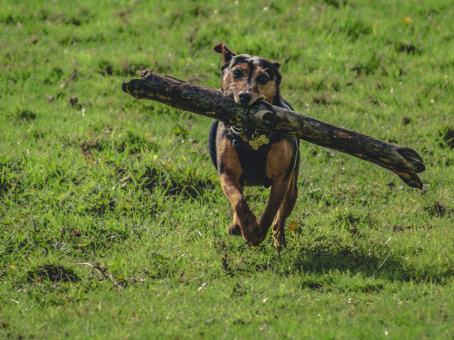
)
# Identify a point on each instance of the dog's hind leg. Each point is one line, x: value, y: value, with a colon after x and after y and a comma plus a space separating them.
x: 278, y: 193
x: 284, y: 212
x: 279, y: 161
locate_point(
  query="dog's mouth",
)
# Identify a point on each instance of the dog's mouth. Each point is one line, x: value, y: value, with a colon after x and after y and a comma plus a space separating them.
x: 248, y: 99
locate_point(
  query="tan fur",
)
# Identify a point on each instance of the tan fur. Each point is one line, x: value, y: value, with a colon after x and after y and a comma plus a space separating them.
x: 243, y: 85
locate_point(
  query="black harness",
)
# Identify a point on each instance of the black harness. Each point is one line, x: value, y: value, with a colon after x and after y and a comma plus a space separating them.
x: 253, y: 162
x: 253, y: 158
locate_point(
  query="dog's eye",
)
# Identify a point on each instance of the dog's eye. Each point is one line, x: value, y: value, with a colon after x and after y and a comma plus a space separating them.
x: 262, y: 79
x: 237, y: 74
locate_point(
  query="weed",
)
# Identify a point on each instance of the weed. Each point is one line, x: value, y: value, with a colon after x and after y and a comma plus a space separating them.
x: 25, y: 115
x: 353, y: 28
x: 409, y: 48
x: 105, y: 67
x: 335, y: 3
x: 447, y: 136
x: 437, y: 210
x: 52, y: 273
x: 369, y: 67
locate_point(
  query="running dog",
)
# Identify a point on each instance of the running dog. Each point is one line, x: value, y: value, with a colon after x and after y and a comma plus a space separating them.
x: 245, y: 157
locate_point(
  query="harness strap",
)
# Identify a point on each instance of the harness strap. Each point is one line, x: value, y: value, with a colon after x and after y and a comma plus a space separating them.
x: 253, y: 162
x: 239, y: 143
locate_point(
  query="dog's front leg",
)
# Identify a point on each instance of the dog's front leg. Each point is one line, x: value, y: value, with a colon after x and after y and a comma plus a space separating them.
x: 243, y: 216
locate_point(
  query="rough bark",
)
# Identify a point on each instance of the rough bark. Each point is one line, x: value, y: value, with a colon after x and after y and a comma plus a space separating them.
x: 404, y: 162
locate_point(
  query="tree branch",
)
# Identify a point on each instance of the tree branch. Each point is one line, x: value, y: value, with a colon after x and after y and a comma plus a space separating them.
x: 404, y: 162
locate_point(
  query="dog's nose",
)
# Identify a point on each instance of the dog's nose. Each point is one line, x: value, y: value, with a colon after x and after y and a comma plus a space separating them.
x: 245, y: 98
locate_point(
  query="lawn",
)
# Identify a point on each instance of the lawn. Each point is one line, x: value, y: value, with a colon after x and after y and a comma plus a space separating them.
x: 112, y: 220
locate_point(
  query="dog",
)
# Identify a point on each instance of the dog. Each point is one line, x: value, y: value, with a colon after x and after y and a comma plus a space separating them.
x: 244, y: 157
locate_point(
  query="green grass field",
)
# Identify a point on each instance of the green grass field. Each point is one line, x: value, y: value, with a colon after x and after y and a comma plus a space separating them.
x: 112, y: 221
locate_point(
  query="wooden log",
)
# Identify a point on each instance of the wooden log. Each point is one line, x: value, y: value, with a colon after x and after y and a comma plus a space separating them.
x: 261, y: 116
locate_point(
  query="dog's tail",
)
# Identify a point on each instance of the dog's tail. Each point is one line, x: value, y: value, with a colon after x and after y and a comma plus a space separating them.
x: 212, y: 142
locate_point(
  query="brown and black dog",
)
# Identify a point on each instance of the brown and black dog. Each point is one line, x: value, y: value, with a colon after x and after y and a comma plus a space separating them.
x: 245, y: 157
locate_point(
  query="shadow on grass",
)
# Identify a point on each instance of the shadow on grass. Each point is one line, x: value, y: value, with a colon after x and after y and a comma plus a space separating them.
x: 52, y: 273
x: 324, y: 257
x: 381, y: 263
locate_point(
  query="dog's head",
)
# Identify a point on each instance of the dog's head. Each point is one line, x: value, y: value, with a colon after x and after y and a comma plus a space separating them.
x: 249, y: 78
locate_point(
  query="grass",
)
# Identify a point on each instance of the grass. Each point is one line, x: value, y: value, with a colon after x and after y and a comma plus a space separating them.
x: 100, y: 191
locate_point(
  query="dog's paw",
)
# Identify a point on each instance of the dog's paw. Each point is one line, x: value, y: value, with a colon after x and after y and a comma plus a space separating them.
x: 234, y: 229
x: 279, y: 242
x: 253, y: 233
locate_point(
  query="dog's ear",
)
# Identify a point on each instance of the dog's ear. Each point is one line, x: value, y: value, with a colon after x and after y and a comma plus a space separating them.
x: 227, y: 53
x: 278, y: 75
